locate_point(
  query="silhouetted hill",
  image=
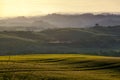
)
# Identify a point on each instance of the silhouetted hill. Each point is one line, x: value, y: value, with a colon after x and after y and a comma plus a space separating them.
x: 83, y: 20
x: 24, y: 24
x: 58, y: 21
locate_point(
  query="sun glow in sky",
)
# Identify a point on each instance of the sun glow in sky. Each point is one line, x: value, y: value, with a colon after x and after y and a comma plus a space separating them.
x: 11, y: 8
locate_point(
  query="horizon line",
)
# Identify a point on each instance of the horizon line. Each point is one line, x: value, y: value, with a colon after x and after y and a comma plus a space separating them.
x: 63, y: 13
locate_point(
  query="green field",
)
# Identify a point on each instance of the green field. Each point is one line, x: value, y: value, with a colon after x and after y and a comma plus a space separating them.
x: 59, y: 67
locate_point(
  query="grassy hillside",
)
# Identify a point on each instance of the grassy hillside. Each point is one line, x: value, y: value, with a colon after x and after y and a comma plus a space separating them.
x: 95, y: 40
x: 59, y: 67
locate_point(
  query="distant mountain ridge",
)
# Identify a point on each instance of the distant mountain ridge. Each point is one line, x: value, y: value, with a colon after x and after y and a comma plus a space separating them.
x: 59, y: 21
x: 83, y: 20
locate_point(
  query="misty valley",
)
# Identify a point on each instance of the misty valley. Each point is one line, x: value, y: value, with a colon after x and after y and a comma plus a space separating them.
x: 60, y: 47
x: 57, y: 33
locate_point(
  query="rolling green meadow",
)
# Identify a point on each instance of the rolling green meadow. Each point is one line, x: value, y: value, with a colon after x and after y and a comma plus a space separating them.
x: 59, y: 67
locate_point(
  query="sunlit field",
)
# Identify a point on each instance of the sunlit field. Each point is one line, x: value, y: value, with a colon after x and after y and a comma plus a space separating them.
x: 59, y: 67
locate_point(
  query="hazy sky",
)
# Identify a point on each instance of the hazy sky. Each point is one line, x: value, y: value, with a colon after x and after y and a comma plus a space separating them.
x: 9, y: 8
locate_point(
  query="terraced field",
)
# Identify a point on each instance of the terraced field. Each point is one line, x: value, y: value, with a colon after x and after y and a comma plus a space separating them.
x: 59, y: 67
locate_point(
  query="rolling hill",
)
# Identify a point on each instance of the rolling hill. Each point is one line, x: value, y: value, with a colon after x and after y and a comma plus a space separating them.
x: 95, y: 40
x: 59, y: 67
x: 38, y: 23
x: 82, y: 20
